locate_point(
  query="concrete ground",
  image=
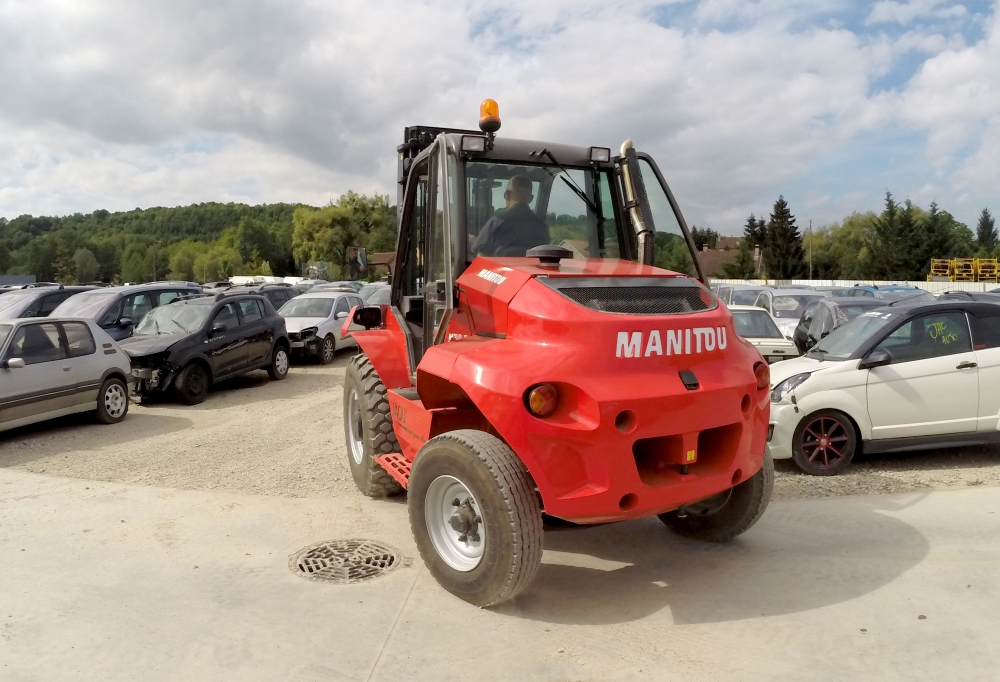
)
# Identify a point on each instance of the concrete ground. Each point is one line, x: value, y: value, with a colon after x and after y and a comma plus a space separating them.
x: 112, y: 581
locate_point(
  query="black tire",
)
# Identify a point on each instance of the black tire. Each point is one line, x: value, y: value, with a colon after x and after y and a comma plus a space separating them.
x: 327, y: 350
x: 824, y: 443
x: 509, y: 515
x: 373, y: 423
x: 722, y: 517
x: 192, y: 384
x: 280, y: 362
x: 112, y: 401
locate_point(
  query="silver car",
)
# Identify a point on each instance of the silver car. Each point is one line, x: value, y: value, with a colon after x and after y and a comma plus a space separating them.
x: 53, y: 367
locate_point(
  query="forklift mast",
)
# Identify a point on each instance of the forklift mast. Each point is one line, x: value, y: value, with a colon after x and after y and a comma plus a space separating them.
x: 415, y: 140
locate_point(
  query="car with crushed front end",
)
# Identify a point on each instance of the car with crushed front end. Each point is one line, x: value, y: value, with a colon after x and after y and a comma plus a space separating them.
x: 54, y: 367
x: 187, y: 346
x: 511, y: 379
x: 313, y: 321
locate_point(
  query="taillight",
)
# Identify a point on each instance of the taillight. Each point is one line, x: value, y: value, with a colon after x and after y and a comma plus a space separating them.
x: 541, y: 400
x: 763, y: 374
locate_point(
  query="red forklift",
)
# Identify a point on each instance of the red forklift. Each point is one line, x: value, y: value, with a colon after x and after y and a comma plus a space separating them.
x: 534, y: 365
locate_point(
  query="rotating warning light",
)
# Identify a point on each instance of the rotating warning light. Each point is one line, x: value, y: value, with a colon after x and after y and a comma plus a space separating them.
x: 489, y: 116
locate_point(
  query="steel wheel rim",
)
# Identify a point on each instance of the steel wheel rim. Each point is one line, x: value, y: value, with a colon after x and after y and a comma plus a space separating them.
x: 328, y: 349
x: 281, y: 361
x: 196, y: 381
x: 115, y: 401
x: 454, y: 523
x: 356, y: 439
x: 824, y: 441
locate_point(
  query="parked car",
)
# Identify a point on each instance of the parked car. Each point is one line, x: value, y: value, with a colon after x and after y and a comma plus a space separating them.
x: 314, y: 321
x: 35, y: 301
x: 824, y: 315
x: 118, y: 309
x: 891, y: 292
x: 54, y: 367
x: 723, y: 291
x: 189, y: 345
x: 380, y: 296
x: 369, y: 289
x: 304, y: 285
x: 354, y: 284
x: 744, y: 294
x: 833, y: 292
x: 905, y: 377
x: 760, y: 329
x: 807, y: 287
x: 984, y: 296
x: 786, y: 306
x: 277, y: 294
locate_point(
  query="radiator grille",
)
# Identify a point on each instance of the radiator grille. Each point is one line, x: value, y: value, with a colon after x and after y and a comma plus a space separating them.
x: 643, y: 300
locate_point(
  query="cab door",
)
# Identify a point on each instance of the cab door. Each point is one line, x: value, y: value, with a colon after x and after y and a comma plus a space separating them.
x: 439, y: 290
x: 931, y: 387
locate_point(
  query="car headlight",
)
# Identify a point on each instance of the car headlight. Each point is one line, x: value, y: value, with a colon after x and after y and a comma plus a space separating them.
x: 779, y: 392
x: 310, y: 331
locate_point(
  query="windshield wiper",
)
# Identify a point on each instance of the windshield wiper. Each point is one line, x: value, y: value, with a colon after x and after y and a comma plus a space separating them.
x: 571, y: 183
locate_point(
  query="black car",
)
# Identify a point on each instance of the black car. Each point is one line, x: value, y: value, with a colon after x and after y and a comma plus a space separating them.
x: 981, y: 296
x: 35, y: 301
x: 277, y: 294
x: 824, y: 315
x: 118, y: 309
x: 191, y: 344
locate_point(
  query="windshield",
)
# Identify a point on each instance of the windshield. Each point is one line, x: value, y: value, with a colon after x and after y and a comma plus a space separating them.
x: 382, y: 296
x: 307, y: 307
x: 752, y: 324
x: 790, y: 306
x: 89, y: 305
x: 745, y: 296
x: 852, y: 311
x: 173, y: 319
x: 12, y: 305
x: 844, y: 341
x: 4, y: 333
x: 512, y: 207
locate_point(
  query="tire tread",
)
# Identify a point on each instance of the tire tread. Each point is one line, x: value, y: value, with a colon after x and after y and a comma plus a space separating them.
x: 375, y: 398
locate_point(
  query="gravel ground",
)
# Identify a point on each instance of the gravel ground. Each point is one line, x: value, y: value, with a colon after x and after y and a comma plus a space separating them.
x: 286, y: 438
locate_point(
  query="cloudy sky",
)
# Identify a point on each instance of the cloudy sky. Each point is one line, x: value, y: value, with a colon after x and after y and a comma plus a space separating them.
x: 120, y: 104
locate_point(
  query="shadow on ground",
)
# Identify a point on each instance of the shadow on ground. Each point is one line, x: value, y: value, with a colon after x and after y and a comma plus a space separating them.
x: 800, y: 556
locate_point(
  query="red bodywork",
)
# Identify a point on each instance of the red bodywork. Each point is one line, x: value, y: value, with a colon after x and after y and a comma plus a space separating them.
x: 627, y: 439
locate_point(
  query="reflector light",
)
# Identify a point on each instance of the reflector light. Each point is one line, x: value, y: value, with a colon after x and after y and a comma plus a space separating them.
x: 542, y: 400
x: 473, y: 143
x: 489, y: 116
x: 600, y: 154
x: 763, y: 374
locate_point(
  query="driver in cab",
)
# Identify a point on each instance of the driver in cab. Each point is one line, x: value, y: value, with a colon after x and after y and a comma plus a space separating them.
x: 517, y: 229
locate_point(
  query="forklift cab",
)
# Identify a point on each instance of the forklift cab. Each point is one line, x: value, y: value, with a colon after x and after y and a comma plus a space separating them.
x: 452, y: 182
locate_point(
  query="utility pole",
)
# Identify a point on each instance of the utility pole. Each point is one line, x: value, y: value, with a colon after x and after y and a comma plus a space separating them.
x: 810, y: 251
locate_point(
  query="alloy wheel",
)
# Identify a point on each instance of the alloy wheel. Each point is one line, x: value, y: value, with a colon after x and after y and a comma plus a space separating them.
x: 115, y: 401
x: 824, y: 441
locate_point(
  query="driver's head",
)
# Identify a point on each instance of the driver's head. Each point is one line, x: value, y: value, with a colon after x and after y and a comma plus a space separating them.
x: 518, y: 191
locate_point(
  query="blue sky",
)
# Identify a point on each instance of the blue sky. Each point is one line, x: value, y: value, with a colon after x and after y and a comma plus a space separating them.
x: 116, y: 103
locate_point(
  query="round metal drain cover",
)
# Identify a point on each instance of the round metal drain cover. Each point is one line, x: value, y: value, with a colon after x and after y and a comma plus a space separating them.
x: 345, y: 561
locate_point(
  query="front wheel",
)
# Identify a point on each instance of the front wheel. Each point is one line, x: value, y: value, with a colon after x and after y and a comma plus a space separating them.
x: 192, y: 384
x: 112, y: 401
x: 278, y: 369
x: 475, y: 516
x: 824, y: 443
x: 723, y: 516
x: 327, y: 350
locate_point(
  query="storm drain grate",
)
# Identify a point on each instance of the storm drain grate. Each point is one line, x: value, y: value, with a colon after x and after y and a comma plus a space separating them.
x: 345, y: 562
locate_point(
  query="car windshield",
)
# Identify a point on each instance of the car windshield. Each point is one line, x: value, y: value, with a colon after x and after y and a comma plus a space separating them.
x: 745, y: 296
x: 369, y: 289
x: 4, y: 332
x: 12, y: 305
x: 852, y: 311
x: 307, y: 307
x: 753, y: 324
x: 790, y: 307
x: 381, y: 297
x: 173, y: 319
x: 90, y: 305
x: 844, y: 341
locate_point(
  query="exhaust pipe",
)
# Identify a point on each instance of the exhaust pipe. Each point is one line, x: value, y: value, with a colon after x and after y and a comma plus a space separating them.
x: 636, y: 203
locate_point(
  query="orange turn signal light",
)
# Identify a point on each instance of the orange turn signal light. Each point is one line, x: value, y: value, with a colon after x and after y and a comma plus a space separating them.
x: 489, y: 116
x: 763, y: 374
x: 542, y: 400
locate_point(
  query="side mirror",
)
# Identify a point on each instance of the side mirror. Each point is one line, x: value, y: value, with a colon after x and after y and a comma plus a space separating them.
x: 125, y: 322
x: 369, y: 318
x: 14, y: 363
x: 877, y: 358
x: 219, y: 328
x: 340, y: 316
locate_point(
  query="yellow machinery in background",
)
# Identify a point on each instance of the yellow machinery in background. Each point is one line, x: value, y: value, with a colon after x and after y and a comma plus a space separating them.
x: 986, y: 269
x: 940, y: 269
x: 964, y: 270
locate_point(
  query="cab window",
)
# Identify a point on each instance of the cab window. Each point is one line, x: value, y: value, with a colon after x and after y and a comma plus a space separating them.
x: 928, y: 336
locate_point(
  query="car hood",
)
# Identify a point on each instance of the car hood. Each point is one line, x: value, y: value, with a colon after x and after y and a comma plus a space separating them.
x: 138, y: 346
x: 800, y: 365
x: 294, y: 325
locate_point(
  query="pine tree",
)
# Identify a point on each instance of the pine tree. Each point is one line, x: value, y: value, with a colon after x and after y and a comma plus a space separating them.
x: 933, y: 240
x: 986, y: 231
x: 784, y: 257
x: 754, y: 231
x: 910, y: 244
x: 883, y: 242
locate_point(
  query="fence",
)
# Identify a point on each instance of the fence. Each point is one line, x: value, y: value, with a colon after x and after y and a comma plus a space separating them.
x: 933, y: 287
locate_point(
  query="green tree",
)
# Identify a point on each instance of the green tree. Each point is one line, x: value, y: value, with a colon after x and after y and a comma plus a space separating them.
x: 743, y: 267
x: 704, y: 237
x: 325, y: 234
x: 783, y: 254
x: 671, y: 252
x: 934, y: 240
x: 218, y: 263
x: 5, y: 260
x: 86, y: 265
x: 986, y: 231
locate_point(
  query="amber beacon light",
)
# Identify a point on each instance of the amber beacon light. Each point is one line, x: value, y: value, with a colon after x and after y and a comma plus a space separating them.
x: 489, y: 116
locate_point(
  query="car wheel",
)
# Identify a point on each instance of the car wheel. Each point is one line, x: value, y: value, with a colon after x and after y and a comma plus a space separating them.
x: 723, y: 516
x: 368, y: 428
x: 278, y: 369
x: 328, y: 350
x: 192, y: 384
x: 112, y: 401
x: 824, y: 443
x: 475, y: 516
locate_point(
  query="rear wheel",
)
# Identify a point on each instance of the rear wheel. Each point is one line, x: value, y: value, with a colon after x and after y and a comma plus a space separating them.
x: 824, y: 443
x: 722, y: 517
x: 475, y: 516
x: 368, y: 428
x: 327, y: 350
x: 192, y: 384
x: 112, y: 401
x: 278, y: 368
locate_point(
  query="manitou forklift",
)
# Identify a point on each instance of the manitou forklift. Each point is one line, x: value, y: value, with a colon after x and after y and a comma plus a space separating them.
x: 534, y: 366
